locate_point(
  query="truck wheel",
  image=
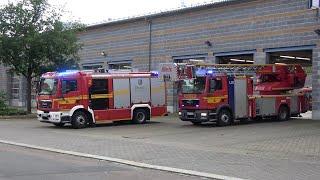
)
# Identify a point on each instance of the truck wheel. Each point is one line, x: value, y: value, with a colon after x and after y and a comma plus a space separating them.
x: 79, y: 120
x: 59, y: 124
x: 196, y: 123
x: 139, y: 116
x: 284, y: 113
x: 224, y: 118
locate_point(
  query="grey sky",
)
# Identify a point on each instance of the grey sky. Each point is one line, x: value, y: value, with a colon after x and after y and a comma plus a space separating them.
x: 95, y: 11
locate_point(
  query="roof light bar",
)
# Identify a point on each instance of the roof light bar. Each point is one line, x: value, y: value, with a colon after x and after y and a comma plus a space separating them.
x: 68, y: 72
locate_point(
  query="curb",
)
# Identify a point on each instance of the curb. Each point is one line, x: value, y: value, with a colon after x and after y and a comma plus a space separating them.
x: 126, y: 162
x: 29, y: 116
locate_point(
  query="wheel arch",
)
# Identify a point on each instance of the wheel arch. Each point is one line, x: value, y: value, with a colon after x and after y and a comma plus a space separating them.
x: 227, y: 107
x: 284, y: 105
x: 141, y: 106
x: 82, y: 109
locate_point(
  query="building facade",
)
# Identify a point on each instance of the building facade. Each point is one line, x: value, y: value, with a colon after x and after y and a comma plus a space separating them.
x: 230, y: 31
x: 234, y: 31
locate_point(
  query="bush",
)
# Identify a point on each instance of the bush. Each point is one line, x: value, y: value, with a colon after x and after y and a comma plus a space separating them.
x: 5, y: 110
x: 12, y: 112
x: 2, y: 100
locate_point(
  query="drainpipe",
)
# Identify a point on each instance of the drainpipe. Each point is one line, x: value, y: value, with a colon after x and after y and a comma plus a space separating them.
x: 149, y: 42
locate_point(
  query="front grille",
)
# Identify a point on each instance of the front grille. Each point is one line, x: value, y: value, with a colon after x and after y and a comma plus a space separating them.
x: 45, y: 104
x: 190, y: 102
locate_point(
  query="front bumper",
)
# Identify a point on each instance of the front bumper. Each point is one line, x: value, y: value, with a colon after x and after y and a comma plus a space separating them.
x: 195, y: 115
x: 53, y: 117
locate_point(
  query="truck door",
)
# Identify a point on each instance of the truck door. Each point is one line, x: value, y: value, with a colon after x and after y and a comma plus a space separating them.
x: 216, y: 93
x: 99, y: 98
x: 71, y: 94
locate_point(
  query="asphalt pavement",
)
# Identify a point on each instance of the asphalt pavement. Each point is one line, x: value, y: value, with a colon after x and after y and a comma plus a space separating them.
x: 17, y: 163
x: 256, y: 150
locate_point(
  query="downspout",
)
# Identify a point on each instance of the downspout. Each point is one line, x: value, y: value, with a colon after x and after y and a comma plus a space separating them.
x: 149, y: 43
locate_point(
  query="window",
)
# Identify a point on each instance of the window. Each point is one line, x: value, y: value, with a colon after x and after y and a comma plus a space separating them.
x: 120, y: 66
x: 91, y: 67
x: 190, y: 60
x: 196, y: 85
x: 69, y: 86
x: 48, y: 86
x: 15, y: 87
x: 98, y: 94
x: 215, y: 84
x: 99, y: 86
x: 314, y: 3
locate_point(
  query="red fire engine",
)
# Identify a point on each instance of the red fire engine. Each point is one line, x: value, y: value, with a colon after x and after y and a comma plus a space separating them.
x: 224, y: 93
x: 84, y: 98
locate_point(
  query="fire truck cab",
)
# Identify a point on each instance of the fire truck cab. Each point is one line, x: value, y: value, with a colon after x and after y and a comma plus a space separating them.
x: 84, y: 98
x: 224, y: 93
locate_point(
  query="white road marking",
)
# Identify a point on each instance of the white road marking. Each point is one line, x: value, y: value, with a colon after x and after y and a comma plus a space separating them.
x: 123, y: 161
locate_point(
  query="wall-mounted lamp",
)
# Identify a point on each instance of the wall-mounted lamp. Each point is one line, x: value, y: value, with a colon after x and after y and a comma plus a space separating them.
x: 317, y: 31
x: 208, y: 43
x: 104, y: 54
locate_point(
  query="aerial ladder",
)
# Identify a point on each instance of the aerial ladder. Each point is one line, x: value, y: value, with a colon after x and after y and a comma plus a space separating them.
x: 271, y: 78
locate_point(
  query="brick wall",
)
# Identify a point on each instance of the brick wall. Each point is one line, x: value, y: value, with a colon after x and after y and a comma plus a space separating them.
x: 316, y: 83
x: 233, y: 26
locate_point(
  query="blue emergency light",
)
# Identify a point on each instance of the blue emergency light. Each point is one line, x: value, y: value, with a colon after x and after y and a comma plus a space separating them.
x: 68, y: 72
x: 210, y: 72
x: 204, y: 72
x: 154, y: 73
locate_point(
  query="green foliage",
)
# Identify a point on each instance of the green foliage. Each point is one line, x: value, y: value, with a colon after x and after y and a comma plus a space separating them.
x: 308, y: 70
x: 2, y: 100
x: 6, y: 110
x: 33, y: 40
x: 11, y: 112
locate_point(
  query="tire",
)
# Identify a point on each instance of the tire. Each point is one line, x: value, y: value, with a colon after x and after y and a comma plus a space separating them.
x: 283, y: 113
x: 244, y: 121
x: 196, y: 123
x: 224, y: 118
x: 139, y: 116
x: 59, y: 124
x: 79, y: 120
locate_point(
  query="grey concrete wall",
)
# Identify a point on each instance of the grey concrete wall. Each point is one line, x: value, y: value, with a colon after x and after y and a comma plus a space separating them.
x: 3, y: 79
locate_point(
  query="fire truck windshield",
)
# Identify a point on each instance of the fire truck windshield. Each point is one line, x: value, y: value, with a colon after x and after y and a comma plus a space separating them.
x: 193, y: 85
x: 48, y: 86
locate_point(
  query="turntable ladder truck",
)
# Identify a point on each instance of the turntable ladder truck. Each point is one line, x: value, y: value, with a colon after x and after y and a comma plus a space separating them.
x: 225, y: 93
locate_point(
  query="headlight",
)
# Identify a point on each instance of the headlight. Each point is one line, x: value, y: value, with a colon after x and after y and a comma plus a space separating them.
x: 203, y: 114
x: 180, y: 113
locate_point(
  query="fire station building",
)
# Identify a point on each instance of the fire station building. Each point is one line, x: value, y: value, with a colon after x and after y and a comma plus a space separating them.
x: 229, y: 31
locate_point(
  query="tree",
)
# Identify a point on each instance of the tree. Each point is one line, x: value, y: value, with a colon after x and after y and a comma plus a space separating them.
x: 33, y: 39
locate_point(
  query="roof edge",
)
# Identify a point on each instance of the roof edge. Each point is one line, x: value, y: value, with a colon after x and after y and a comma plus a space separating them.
x: 166, y: 13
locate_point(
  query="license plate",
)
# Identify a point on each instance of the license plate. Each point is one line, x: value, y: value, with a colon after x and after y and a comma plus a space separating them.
x: 190, y: 113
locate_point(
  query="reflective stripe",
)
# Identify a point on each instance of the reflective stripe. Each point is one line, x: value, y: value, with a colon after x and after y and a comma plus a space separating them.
x: 101, y: 96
